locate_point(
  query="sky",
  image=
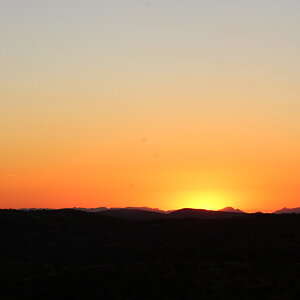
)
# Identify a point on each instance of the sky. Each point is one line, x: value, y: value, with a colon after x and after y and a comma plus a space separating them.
x: 166, y: 104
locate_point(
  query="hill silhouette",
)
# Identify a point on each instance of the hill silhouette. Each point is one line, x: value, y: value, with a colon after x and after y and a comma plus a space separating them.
x: 140, y: 214
x: 132, y: 214
x: 203, y: 213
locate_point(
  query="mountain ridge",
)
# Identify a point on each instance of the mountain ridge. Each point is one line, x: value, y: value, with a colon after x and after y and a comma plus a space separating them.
x: 286, y: 210
x: 231, y: 209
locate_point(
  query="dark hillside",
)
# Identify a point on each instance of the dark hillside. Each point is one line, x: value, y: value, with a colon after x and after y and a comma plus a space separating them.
x: 132, y: 214
x: 68, y: 254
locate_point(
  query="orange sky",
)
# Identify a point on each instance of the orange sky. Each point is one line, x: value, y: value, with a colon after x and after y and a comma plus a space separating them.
x: 170, y: 105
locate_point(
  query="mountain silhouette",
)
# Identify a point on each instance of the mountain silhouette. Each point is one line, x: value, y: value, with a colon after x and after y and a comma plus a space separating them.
x: 146, y: 213
x: 96, y: 209
x: 288, y: 211
x: 143, y: 208
x: 231, y: 209
x: 143, y: 215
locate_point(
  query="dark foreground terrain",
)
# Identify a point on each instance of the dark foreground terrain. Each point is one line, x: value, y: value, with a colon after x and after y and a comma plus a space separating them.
x: 69, y: 254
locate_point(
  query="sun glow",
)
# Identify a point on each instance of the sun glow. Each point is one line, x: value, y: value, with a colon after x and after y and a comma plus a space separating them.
x: 210, y: 200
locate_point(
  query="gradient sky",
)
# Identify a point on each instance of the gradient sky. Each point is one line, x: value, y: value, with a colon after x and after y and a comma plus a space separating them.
x: 158, y: 103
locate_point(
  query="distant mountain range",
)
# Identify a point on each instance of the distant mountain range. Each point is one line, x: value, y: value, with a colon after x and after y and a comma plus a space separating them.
x: 98, y: 209
x: 138, y: 214
x: 146, y: 208
x: 148, y: 213
x: 288, y: 211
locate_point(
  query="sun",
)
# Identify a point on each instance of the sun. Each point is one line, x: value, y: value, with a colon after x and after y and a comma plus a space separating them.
x: 210, y: 200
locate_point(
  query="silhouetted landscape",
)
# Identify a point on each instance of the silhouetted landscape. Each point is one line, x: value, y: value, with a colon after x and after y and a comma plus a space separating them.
x: 144, y: 254
x: 150, y: 150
